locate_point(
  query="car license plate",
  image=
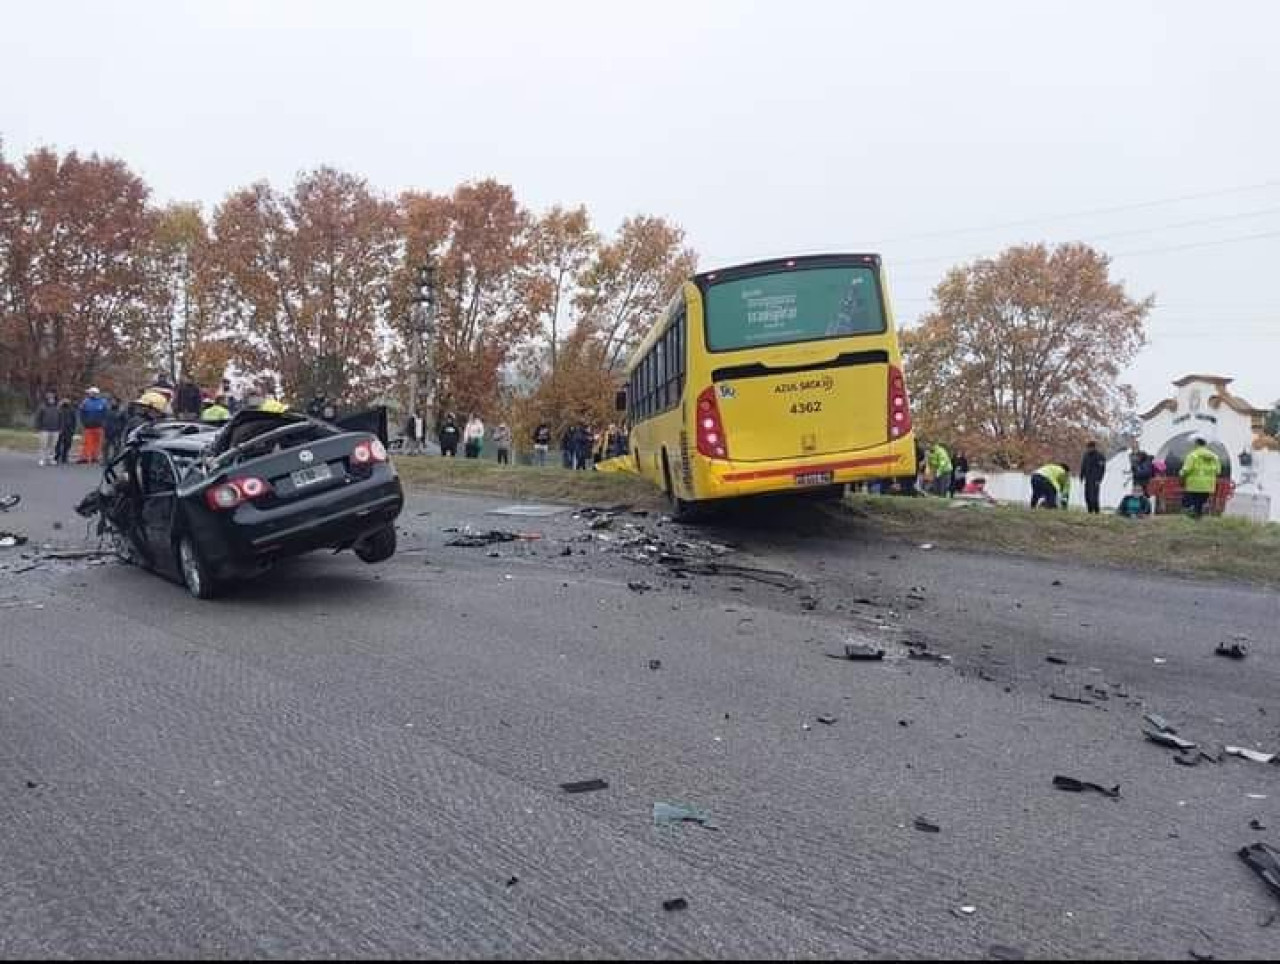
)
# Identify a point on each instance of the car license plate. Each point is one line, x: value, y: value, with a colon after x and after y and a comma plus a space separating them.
x: 312, y: 475
x: 815, y: 478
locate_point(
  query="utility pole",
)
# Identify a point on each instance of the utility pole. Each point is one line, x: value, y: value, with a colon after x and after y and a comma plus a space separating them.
x: 421, y: 327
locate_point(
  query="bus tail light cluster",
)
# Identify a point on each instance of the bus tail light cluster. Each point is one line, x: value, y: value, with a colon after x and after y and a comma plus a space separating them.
x: 899, y: 406
x: 230, y: 494
x: 711, y: 440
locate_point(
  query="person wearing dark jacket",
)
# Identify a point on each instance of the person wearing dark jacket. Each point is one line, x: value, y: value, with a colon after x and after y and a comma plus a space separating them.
x: 541, y: 443
x: 113, y: 431
x: 1143, y: 468
x: 48, y: 423
x: 187, y: 401
x: 959, y: 473
x: 66, y: 431
x: 450, y: 435
x: 1092, y: 468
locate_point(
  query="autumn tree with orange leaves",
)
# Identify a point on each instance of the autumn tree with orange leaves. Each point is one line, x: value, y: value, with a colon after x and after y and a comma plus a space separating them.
x: 1021, y: 359
x: 77, y: 300
x: 303, y: 280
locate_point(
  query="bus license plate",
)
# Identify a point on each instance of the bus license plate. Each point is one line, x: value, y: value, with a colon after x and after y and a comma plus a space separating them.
x: 312, y: 475
x: 815, y: 478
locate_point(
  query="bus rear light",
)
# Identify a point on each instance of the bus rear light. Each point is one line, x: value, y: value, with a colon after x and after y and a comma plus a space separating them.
x: 711, y: 440
x: 899, y: 405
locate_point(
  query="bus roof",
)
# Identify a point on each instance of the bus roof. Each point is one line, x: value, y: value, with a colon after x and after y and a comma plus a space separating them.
x: 782, y: 264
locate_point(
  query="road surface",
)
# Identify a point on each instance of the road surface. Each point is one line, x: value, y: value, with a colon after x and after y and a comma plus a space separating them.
x: 343, y: 760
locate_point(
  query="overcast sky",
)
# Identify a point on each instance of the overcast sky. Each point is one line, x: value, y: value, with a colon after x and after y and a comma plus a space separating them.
x: 764, y: 128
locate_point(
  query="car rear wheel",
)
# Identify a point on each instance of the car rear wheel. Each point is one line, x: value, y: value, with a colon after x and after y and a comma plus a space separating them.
x: 378, y: 547
x: 195, y: 573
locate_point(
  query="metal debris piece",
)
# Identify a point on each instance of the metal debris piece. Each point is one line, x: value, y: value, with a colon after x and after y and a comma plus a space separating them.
x: 1170, y: 740
x: 1263, y: 860
x: 655, y: 664
x: 585, y: 786
x: 1256, y: 824
x: 1056, y: 660
x: 860, y: 651
x: 667, y: 814
x: 9, y: 501
x: 1232, y: 650
x: 1073, y: 785
x: 675, y: 903
x: 512, y: 880
x: 1062, y: 698
x: 1255, y: 755
x: 1159, y: 722
x: 638, y: 585
x: 928, y: 657
x: 9, y: 540
x: 827, y: 719
x: 926, y: 826
x: 1187, y: 759
x: 469, y: 538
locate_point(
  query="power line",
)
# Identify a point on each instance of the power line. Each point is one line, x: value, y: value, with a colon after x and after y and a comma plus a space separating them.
x: 1080, y: 214
x: 1198, y: 244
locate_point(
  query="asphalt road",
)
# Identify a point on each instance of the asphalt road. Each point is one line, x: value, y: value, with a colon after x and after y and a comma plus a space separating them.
x: 344, y: 760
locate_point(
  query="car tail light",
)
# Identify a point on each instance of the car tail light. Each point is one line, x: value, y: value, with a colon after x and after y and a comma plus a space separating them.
x: 366, y: 453
x: 899, y: 405
x: 711, y: 440
x: 228, y: 495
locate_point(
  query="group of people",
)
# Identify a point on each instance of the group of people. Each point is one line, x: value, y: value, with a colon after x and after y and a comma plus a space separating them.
x: 581, y: 446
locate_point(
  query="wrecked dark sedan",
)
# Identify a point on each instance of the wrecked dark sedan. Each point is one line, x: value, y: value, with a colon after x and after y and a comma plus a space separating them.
x: 207, y: 506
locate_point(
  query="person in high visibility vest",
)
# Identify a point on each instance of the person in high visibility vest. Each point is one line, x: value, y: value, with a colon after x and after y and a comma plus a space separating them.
x: 1200, y: 471
x: 215, y: 413
x: 1050, y: 485
x: 939, y: 462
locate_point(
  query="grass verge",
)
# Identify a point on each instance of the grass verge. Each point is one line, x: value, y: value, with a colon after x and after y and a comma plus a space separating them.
x: 19, y: 440
x: 1218, y: 547
x: 524, y: 482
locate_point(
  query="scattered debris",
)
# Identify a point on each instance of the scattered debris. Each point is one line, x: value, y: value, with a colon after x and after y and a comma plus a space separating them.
x: 1164, y: 738
x: 904, y: 723
x: 1056, y: 582
x: 9, y: 540
x: 1159, y: 722
x: 9, y: 501
x: 808, y: 603
x: 859, y: 651
x: 1255, y: 755
x: 585, y: 786
x: 655, y: 664
x: 469, y: 538
x: 1256, y: 824
x: 999, y: 952
x: 827, y: 719
x: 1187, y: 759
x: 1159, y: 660
x: 926, y: 545
x: 66, y: 554
x: 1263, y: 860
x: 1073, y: 785
x: 1256, y: 796
x: 1057, y: 660
x: 770, y: 577
x: 968, y: 910
x: 675, y: 903
x: 1232, y: 651
x: 31, y: 784
x: 512, y: 880
x: 926, y: 656
x: 639, y: 586
x: 1200, y: 954
x: 1213, y: 756
x: 566, y: 551
x: 1062, y: 698
x: 666, y: 814
x: 926, y: 826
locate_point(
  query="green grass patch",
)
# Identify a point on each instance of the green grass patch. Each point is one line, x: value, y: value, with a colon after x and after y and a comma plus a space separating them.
x: 526, y: 482
x: 1220, y: 547
x: 19, y: 439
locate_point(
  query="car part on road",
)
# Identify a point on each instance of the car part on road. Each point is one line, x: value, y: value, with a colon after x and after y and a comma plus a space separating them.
x: 1057, y: 660
x: 859, y: 652
x: 1172, y: 741
x: 675, y: 903
x: 1256, y: 824
x: 928, y: 657
x: 926, y: 826
x: 667, y: 814
x: 1072, y: 785
x: 1232, y: 650
x: 1159, y: 722
x: 638, y: 585
x: 681, y: 564
x: 377, y: 547
x: 1062, y: 698
x: 9, y: 501
x: 826, y: 719
x: 585, y: 786
x: 9, y: 540
x: 1256, y: 756
x: 68, y: 554
x: 1263, y: 860
x: 469, y: 538
x: 655, y: 664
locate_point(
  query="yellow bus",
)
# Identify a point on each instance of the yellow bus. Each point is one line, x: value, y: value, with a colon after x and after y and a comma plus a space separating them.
x: 776, y: 376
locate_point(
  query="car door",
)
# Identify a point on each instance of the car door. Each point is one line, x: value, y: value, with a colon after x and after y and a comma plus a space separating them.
x: 159, y: 506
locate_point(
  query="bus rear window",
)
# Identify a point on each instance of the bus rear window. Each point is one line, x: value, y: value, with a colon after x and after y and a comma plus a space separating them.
x: 793, y: 306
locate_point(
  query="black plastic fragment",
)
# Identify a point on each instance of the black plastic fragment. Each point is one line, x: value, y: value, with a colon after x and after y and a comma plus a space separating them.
x: 655, y: 664
x: 1160, y: 723
x: 1079, y: 786
x: 585, y: 786
x: 827, y: 719
x: 1232, y: 650
x: 859, y: 651
x: 1263, y: 860
x: 675, y: 903
x: 1063, y: 698
x: 1057, y: 660
x: 926, y: 826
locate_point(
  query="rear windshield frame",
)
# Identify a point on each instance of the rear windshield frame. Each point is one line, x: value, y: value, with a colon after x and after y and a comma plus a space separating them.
x: 762, y: 269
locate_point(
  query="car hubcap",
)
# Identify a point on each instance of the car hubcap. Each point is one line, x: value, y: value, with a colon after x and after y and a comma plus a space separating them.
x: 190, y: 571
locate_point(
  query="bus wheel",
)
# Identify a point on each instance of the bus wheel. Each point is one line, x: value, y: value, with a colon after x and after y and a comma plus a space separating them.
x: 681, y: 510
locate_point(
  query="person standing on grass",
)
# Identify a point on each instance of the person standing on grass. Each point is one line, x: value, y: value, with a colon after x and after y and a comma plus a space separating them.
x: 66, y: 431
x: 502, y: 442
x: 48, y: 422
x: 959, y: 473
x: 940, y: 466
x: 1050, y: 485
x: 1142, y: 467
x: 1200, y: 471
x: 473, y: 437
x: 449, y: 436
x: 541, y: 443
x: 1092, y: 468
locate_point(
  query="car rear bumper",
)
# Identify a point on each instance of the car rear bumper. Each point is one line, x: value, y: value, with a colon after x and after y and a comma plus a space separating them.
x: 251, y: 537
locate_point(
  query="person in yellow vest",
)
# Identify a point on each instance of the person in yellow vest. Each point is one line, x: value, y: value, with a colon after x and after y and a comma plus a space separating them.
x: 1050, y: 485
x: 215, y: 413
x: 939, y: 461
x: 1200, y: 471
x: 274, y: 406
